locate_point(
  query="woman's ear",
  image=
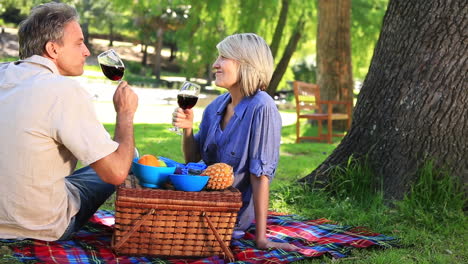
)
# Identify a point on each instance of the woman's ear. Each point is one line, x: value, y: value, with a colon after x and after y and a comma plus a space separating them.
x: 51, y: 50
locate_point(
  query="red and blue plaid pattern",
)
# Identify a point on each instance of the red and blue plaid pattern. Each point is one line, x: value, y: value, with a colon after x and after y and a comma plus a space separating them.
x: 314, y: 237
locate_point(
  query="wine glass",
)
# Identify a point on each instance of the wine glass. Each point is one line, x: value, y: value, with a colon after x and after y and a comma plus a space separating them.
x: 111, y: 65
x: 187, y: 97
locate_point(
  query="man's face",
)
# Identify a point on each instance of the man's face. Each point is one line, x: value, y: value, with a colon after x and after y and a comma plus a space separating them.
x: 72, y: 52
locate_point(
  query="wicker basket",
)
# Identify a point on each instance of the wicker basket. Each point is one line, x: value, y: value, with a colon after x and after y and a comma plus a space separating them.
x: 156, y: 222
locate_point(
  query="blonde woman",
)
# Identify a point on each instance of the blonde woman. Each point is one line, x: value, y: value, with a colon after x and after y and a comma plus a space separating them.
x: 241, y: 128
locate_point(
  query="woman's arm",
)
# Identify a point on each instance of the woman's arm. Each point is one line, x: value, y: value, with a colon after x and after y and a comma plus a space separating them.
x: 189, y: 146
x: 261, y: 191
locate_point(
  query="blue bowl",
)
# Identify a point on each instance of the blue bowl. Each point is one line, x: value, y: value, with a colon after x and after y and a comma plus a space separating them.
x: 188, y: 183
x: 149, y: 176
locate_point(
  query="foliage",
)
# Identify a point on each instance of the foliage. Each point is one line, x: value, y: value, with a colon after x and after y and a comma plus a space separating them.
x: 418, y: 243
x: 354, y: 180
x: 206, y: 29
x: 433, y: 199
x: 367, y: 17
x: 210, y: 21
x: 18, y: 9
x: 305, y: 70
x: 430, y: 222
x: 12, y: 14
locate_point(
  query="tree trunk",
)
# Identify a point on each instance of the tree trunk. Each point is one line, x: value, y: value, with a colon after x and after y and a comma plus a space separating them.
x: 111, y: 34
x: 144, y: 59
x: 413, y: 106
x: 334, y: 67
x: 173, y: 51
x: 209, y: 75
x: 284, y: 62
x: 157, y: 56
x: 279, y: 27
x: 85, y: 29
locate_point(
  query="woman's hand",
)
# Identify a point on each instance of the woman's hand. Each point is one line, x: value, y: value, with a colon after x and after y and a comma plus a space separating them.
x: 182, y: 118
x: 265, y: 244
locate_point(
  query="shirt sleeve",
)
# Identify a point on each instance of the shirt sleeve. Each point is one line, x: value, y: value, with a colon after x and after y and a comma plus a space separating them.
x: 200, y: 136
x: 205, y: 124
x: 265, y: 141
x: 76, y: 126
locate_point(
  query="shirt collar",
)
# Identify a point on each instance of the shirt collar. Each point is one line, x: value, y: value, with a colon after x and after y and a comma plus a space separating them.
x: 42, y: 61
x: 239, y: 110
x: 242, y: 106
x: 224, y: 102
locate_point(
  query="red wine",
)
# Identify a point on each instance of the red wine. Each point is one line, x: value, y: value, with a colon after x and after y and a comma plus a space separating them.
x: 114, y: 73
x: 186, y: 101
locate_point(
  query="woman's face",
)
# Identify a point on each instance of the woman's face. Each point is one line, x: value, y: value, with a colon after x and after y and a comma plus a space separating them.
x: 226, y: 72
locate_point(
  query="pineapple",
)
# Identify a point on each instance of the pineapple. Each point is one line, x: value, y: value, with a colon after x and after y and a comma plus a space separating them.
x: 221, y: 176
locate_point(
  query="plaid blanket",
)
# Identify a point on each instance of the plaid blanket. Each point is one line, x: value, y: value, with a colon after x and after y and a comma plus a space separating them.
x: 314, y: 237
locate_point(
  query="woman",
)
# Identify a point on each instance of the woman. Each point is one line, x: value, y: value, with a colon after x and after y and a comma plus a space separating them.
x: 241, y: 128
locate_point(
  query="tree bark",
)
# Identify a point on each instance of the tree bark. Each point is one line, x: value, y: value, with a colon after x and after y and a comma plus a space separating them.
x: 157, y: 55
x: 284, y: 62
x: 413, y: 106
x: 144, y: 59
x: 111, y: 34
x: 173, y: 47
x: 334, y: 67
x: 279, y: 27
x: 85, y: 29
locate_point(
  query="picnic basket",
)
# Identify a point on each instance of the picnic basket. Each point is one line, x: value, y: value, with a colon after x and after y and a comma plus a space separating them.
x: 158, y: 222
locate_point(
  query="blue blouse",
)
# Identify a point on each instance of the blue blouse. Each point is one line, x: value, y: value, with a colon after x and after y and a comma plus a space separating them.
x: 249, y: 143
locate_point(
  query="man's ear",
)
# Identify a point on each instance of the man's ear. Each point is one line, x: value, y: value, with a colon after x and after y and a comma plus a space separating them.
x: 51, y: 50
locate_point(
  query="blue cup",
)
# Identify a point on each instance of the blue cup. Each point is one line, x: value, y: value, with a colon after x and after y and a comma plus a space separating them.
x: 150, y: 176
x: 188, y: 183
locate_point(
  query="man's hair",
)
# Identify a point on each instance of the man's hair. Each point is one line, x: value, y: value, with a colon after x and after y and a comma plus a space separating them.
x: 254, y: 57
x: 45, y: 23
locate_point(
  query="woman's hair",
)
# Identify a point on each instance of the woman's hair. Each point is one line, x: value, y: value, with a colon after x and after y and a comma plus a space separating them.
x: 45, y: 23
x: 254, y: 57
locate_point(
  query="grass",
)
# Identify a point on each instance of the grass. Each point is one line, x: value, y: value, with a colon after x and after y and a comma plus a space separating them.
x: 430, y: 223
x: 355, y: 199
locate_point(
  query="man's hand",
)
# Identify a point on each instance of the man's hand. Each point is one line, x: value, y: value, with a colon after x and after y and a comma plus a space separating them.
x: 125, y: 99
x: 114, y: 167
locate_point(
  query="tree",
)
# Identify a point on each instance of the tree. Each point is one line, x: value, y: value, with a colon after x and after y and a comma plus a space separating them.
x: 366, y: 23
x: 152, y: 18
x: 335, y: 76
x: 86, y: 10
x: 413, y: 105
x: 200, y: 35
x: 228, y: 17
x: 281, y: 67
x: 279, y: 27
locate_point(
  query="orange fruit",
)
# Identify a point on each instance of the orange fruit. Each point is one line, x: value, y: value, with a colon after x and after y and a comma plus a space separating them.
x: 149, y: 160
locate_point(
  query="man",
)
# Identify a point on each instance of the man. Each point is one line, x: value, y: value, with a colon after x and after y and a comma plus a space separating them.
x: 47, y: 124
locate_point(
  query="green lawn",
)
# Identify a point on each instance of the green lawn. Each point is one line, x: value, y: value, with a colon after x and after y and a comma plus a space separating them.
x: 426, y: 236
x: 439, y: 241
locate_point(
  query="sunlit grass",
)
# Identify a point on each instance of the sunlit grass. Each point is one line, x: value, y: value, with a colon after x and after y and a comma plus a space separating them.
x: 421, y: 237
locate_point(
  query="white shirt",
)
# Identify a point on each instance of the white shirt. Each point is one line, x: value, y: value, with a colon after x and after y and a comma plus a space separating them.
x: 47, y: 122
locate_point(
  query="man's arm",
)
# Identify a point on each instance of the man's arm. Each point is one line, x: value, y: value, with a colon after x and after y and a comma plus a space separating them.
x: 114, y: 167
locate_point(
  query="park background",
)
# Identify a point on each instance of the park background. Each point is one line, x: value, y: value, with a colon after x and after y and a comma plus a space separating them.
x: 164, y: 43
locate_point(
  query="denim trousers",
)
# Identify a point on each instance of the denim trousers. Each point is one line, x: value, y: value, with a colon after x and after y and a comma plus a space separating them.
x: 93, y: 193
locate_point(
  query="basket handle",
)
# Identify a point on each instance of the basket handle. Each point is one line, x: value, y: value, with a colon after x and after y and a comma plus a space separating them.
x: 226, y: 249
x: 134, y: 228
